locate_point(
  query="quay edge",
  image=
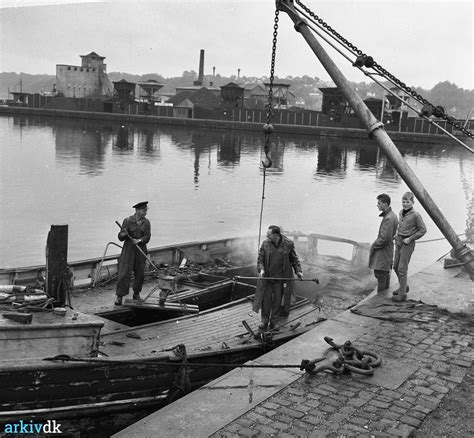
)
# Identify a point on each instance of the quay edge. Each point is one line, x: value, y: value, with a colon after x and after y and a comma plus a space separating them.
x: 323, y: 131
x: 408, y: 386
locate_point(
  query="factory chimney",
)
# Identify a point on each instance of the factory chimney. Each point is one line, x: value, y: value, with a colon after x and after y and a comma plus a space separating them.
x: 201, y: 69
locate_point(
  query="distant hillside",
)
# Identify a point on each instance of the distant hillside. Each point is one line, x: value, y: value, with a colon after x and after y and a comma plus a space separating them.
x: 28, y: 84
x: 456, y: 101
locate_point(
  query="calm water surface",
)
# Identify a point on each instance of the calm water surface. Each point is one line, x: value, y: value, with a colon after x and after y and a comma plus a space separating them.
x: 205, y: 184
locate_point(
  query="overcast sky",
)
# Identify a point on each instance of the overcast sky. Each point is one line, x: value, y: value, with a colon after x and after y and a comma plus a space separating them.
x: 421, y: 42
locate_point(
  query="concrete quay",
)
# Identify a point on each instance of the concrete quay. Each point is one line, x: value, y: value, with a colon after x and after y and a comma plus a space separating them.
x: 426, y: 349
x: 419, y: 138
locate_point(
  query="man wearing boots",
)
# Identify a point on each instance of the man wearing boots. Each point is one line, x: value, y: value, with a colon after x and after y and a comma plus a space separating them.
x: 135, y: 233
x: 276, y: 259
x: 381, y: 251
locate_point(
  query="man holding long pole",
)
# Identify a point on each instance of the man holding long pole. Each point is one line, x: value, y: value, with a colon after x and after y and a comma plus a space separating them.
x: 276, y: 259
x: 135, y: 232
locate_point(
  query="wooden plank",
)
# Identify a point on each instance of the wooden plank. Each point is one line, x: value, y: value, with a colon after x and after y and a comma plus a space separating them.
x: 208, y: 321
x: 187, y: 308
x: 198, y: 332
x: 87, y: 398
x: 86, y: 389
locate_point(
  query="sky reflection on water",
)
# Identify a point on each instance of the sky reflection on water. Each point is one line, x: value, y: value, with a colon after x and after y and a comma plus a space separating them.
x: 204, y: 184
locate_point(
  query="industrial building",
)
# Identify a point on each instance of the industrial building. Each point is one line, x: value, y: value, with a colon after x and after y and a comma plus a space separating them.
x: 86, y: 80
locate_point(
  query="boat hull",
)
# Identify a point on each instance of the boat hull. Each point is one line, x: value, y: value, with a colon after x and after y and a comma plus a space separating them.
x: 137, y: 371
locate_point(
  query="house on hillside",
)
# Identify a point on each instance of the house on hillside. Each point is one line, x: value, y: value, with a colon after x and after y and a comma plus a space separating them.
x: 283, y: 98
x: 186, y: 102
x: 255, y: 96
x: 192, y: 88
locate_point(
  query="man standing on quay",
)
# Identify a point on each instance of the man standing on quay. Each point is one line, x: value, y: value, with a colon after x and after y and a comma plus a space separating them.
x: 381, y: 251
x: 136, y: 232
x: 276, y: 259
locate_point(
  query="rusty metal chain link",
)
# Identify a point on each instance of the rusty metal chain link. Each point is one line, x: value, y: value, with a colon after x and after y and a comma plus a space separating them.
x: 438, y: 111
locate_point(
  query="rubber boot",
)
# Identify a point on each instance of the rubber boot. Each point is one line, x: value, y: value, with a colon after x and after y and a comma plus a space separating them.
x: 399, y: 298
x: 395, y: 292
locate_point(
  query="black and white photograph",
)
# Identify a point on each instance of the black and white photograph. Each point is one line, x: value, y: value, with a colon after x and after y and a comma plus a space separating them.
x: 236, y: 218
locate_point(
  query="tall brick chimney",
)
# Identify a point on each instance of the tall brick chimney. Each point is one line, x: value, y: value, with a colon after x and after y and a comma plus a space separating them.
x: 201, y: 69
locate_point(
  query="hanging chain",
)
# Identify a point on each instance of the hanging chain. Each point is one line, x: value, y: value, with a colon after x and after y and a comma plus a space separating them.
x: 438, y: 111
x: 268, y: 128
x: 272, y: 68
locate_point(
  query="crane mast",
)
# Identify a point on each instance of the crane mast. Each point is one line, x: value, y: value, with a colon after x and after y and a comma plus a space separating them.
x: 376, y: 131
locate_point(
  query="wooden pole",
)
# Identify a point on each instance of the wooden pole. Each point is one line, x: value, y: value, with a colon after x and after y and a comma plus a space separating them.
x: 56, y: 262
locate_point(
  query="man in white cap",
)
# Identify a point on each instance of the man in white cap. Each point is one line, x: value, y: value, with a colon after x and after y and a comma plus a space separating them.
x: 135, y: 233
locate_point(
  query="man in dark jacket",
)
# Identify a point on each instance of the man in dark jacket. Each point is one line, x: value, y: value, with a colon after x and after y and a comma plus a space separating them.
x: 381, y: 251
x: 276, y: 259
x: 135, y: 233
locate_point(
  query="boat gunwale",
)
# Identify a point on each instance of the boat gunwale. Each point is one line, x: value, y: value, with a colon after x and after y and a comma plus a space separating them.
x: 40, y: 365
x: 179, y: 247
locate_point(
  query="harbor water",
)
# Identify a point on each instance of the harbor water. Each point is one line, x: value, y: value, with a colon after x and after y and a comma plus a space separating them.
x: 207, y: 184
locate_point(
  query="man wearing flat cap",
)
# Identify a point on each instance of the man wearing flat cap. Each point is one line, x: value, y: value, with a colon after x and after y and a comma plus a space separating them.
x: 135, y: 233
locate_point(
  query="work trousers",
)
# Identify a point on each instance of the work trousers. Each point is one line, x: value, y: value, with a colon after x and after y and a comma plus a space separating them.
x: 271, y: 301
x: 401, y: 259
x: 130, y: 260
x: 383, y: 279
x: 286, y: 301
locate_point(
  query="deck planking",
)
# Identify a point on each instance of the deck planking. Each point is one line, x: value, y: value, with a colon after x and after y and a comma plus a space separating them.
x: 202, y: 332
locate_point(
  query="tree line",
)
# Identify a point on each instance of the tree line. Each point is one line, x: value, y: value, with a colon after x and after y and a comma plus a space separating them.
x: 456, y: 101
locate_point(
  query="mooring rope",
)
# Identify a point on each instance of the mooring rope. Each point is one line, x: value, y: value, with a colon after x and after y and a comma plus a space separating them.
x: 65, y: 358
x: 436, y: 240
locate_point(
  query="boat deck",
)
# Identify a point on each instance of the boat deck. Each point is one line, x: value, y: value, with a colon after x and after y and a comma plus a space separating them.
x: 198, y: 332
x: 101, y: 299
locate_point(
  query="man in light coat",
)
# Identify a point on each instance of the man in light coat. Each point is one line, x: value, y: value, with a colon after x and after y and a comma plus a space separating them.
x: 381, y: 251
x: 277, y: 258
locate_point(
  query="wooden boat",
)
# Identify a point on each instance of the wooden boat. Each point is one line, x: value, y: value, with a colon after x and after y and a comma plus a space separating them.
x: 117, y: 364
x: 225, y: 257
